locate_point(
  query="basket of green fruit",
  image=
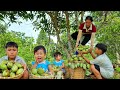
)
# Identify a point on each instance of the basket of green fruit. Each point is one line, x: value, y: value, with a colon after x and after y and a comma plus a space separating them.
x: 40, y: 74
x: 78, y: 68
x: 11, y: 70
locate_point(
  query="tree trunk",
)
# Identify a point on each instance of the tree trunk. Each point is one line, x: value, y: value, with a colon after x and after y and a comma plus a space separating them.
x: 68, y: 32
x: 118, y: 57
x: 77, y: 20
x: 117, y: 53
x: 82, y: 14
x: 54, y: 20
x: 106, y: 12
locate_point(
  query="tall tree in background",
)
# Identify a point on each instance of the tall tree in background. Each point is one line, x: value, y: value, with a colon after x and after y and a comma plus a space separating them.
x: 57, y: 23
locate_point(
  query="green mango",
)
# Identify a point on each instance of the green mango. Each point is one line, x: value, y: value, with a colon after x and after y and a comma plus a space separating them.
x: 88, y: 66
x: 75, y: 58
x: 19, y: 65
x: 87, y: 73
x: 34, y: 71
x: 84, y: 66
x: 37, y: 74
x: 9, y: 64
x: 40, y: 71
x: 81, y: 65
x: 3, y: 66
x: 12, y: 74
x: 6, y: 73
x: 20, y: 71
x: 72, y: 66
x: 14, y: 68
x: 78, y: 64
x: 4, y: 62
x: 75, y: 65
x: 71, y: 59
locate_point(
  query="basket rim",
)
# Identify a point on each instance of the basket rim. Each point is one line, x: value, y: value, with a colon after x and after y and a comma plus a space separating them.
x: 42, y: 77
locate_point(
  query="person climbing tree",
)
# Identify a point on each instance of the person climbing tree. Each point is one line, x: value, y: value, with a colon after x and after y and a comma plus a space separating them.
x: 86, y: 29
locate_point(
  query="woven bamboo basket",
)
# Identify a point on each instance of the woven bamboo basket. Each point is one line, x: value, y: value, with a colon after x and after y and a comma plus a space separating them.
x: 77, y: 73
x: 67, y: 73
x: 16, y: 77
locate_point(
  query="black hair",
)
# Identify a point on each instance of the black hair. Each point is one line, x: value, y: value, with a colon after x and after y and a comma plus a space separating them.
x: 38, y: 48
x: 102, y: 47
x: 89, y: 18
x: 57, y: 53
x: 11, y: 44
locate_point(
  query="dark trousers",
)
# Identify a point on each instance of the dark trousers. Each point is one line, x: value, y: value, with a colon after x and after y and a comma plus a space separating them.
x: 96, y: 67
x: 85, y: 40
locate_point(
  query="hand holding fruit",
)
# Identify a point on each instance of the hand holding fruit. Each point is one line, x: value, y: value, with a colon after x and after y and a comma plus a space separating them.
x: 81, y: 53
x: 90, y: 50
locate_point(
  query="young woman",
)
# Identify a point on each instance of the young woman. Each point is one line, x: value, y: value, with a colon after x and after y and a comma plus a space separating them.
x: 86, y: 29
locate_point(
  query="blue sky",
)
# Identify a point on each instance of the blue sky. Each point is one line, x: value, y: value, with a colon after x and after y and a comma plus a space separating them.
x: 27, y: 28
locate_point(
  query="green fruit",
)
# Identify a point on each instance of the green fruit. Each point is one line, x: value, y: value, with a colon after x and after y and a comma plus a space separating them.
x: 80, y: 58
x: 37, y: 74
x: 34, y: 71
x: 3, y: 66
x: 81, y: 65
x: 12, y: 74
x: 9, y: 64
x: 40, y: 71
x: 5, y: 73
x: 75, y: 65
x: 14, y: 68
x: 87, y: 73
x: 78, y: 64
x: 69, y: 64
x: 71, y: 59
x: 80, y: 49
x: 20, y: 71
x: 4, y: 62
x: 19, y: 65
x: 88, y: 66
x: 84, y: 66
x: 72, y: 66
x: 76, y: 58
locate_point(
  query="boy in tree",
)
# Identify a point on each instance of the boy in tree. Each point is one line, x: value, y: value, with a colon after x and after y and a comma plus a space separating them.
x: 40, y: 62
x: 12, y: 51
x: 101, y: 66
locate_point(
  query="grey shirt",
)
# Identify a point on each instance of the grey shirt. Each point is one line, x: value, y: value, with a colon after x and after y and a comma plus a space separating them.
x: 17, y: 59
x: 106, y: 67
